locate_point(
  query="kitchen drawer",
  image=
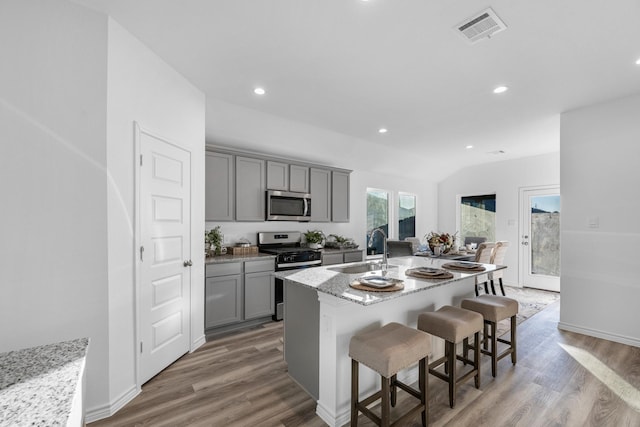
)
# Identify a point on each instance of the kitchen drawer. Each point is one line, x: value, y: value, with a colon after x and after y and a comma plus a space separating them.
x: 353, y: 256
x: 329, y: 259
x: 257, y: 266
x: 223, y: 269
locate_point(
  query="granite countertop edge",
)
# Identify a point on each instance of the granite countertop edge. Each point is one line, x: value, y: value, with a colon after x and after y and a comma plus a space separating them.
x: 38, y: 384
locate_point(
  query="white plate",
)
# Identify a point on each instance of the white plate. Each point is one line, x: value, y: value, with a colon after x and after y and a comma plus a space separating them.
x: 377, y: 281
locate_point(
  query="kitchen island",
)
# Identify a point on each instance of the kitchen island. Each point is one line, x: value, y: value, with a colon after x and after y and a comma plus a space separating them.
x: 323, y: 312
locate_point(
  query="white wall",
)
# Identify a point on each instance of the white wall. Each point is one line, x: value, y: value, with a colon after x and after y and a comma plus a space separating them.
x: 374, y: 166
x: 53, y: 220
x: 599, y: 151
x: 71, y: 84
x: 144, y: 89
x: 504, y: 179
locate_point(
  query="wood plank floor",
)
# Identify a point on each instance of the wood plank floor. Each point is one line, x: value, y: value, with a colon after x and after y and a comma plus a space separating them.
x: 561, y: 379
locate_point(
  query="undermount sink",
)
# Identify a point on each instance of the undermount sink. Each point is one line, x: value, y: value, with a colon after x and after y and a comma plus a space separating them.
x: 360, y: 267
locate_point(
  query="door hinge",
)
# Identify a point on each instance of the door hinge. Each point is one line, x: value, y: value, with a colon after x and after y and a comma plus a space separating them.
x: 140, y: 346
x: 141, y: 253
x: 140, y: 159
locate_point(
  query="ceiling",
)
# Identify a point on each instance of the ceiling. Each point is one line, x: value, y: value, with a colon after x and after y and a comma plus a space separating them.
x: 353, y: 66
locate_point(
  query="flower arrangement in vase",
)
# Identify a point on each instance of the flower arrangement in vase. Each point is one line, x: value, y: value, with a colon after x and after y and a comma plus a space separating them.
x: 445, y: 240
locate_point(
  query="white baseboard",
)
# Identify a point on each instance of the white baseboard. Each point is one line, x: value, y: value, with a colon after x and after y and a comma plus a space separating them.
x: 105, y: 411
x: 599, y: 334
x: 330, y: 419
x: 197, y: 343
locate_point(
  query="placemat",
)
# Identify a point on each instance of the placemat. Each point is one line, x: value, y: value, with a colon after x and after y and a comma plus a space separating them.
x: 464, y: 266
x: 362, y: 287
x: 429, y: 273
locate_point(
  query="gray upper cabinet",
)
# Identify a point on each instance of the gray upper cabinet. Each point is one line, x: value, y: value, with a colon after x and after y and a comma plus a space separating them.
x: 285, y: 177
x: 219, y: 200
x: 250, y: 189
x: 320, y: 186
x: 277, y: 176
x: 299, y: 179
x: 339, y: 196
x: 237, y: 181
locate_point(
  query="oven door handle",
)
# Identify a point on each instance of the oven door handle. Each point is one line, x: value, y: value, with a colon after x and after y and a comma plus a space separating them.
x: 299, y: 264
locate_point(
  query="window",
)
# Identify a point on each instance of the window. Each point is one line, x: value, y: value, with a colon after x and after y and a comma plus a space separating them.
x: 478, y: 217
x: 377, y: 217
x: 406, y: 216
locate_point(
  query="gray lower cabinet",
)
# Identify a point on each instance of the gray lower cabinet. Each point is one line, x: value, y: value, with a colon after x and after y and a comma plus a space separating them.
x: 238, y: 291
x: 250, y: 189
x: 223, y: 294
x: 342, y: 257
x: 259, y: 285
x: 320, y: 186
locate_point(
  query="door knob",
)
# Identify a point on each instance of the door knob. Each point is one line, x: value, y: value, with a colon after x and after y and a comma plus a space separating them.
x: 525, y: 243
x: 188, y: 263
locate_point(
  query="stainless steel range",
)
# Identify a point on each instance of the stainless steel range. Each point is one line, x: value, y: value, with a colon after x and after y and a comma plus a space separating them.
x: 290, y: 255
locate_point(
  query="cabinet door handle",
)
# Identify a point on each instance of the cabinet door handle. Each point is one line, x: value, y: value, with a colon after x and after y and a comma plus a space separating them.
x: 188, y: 263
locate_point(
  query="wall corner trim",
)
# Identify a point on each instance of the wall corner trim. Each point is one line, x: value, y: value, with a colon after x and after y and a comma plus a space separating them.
x: 105, y: 411
x: 599, y: 334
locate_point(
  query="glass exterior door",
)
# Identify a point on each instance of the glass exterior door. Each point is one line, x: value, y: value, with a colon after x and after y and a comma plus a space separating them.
x: 540, y: 238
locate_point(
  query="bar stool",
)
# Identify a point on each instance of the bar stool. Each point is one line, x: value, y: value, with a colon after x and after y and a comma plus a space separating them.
x: 387, y: 351
x: 454, y: 325
x: 493, y: 309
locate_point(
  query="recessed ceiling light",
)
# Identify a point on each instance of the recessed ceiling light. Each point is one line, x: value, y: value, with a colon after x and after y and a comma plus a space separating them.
x: 259, y: 91
x: 500, y: 89
x: 383, y: 130
x: 638, y: 61
x: 469, y: 147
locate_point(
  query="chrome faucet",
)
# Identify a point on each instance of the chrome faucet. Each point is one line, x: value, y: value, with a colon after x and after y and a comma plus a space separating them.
x: 384, y: 246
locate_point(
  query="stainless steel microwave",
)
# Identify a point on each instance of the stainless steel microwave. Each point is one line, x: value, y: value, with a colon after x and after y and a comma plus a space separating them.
x: 288, y: 206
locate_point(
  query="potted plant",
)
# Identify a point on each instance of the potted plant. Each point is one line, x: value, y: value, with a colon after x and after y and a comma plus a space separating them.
x: 214, y: 238
x: 315, y: 239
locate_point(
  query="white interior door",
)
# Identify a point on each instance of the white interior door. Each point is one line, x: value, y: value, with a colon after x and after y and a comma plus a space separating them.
x: 540, y: 238
x: 164, y: 266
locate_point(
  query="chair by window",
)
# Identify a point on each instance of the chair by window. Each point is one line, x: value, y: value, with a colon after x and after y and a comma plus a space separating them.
x: 498, y: 258
x: 396, y: 248
x: 474, y: 239
x: 484, y: 254
x: 415, y: 243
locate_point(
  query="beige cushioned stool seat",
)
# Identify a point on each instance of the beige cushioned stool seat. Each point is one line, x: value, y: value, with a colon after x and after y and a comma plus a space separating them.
x: 492, y: 307
x: 451, y: 323
x: 390, y: 349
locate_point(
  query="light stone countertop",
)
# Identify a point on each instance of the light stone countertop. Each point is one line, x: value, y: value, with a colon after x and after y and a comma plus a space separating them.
x: 38, y: 384
x: 331, y: 282
x: 221, y: 259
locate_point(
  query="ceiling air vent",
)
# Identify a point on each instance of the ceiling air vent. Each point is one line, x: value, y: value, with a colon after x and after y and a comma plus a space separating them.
x: 480, y: 26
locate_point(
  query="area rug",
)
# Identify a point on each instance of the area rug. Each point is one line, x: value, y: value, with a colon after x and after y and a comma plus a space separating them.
x: 530, y: 302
